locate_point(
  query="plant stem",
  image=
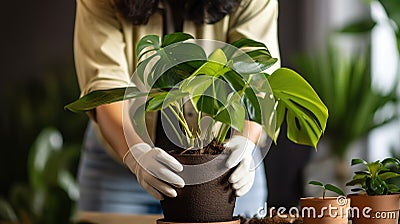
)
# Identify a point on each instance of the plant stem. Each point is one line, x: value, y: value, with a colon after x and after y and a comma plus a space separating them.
x: 223, y: 131
x: 181, y: 118
x: 224, y: 127
x: 247, y: 83
x: 172, y: 126
x: 185, y: 125
x: 199, y: 115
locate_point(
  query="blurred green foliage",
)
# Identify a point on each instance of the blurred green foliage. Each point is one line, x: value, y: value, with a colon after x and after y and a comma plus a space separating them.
x: 344, y: 84
x: 32, y: 103
x: 392, y: 9
x: 50, y: 195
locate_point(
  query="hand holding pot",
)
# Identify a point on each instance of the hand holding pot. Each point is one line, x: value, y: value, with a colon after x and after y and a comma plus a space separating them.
x: 241, y: 153
x: 155, y: 170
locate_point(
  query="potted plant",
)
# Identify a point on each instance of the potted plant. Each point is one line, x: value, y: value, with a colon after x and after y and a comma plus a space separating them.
x: 379, y: 202
x: 328, y: 210
x: 226, y: 87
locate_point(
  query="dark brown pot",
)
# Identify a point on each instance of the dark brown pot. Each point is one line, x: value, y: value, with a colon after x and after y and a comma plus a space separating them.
x: 212, y: 201
x: 316, y: 210
x: 381, y: 209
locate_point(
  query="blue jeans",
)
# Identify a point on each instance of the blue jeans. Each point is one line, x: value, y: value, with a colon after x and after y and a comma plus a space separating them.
x: 107, y: 186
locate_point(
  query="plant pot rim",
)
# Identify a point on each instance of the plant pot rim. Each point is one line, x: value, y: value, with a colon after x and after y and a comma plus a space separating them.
x: 320, y: 198
x: 366, y: 195
x: 234, y: 221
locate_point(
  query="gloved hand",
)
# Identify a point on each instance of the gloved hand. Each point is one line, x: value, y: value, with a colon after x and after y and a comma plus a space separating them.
x: 241, y: 152
x: 155, y: 170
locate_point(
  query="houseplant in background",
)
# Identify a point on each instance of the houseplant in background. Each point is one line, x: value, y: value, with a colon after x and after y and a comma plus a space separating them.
x: 379, y: 202
x: 52, y: 190
x: 344, y: 83
x: 226, y: 87
x: 392, y: 9
x: 328, y: 210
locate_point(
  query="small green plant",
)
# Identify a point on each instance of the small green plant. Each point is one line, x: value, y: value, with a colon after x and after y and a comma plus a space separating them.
x: 327, y: 187
x: 376, y: 176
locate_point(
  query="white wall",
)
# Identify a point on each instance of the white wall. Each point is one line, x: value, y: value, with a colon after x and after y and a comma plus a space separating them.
x: 385, y: 60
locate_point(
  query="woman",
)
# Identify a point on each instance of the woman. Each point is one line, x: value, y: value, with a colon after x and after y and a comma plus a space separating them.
x: 106, y: 32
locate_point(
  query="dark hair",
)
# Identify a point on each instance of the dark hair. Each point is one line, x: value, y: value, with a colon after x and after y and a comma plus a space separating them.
x: 138, y: 12
x: 209, y: 11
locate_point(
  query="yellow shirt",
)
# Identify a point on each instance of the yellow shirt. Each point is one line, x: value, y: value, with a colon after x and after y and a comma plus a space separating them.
x: 104, y: 43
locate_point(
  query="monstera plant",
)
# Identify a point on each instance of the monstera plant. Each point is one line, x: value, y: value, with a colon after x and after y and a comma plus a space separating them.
x: 233, y: 74
x: 226, y: 85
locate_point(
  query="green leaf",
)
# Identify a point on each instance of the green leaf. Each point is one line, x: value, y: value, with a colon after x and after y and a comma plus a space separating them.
x: 152, y: 41
x: 388, y: 175
x: 241, y: 43
x: 358, y: 181
x: 212, y: 96
x: 7, y: 213
x: 280, y: 117
x: 230, y: 112
x: 356, y: 27
x: 215, y: 66
x: 376, y: 187
x: 316, y: 183
x: 175, y: 38
x: 176, y: 74
x: 374, y: 168
x: 391, y: 161
x: 253, y: 62
x: 155, y: 103
x: 100, y: 97
x: 334, y: 188
x: 363, y: 172
x: 250, y: 101
x: 43, y: 164
x: 218, y: 56
x: 306, y: 113
x: 170, y: 57
x: 164, y: 100
x: 197, y: 86
x: 235, y: 112
x: 361, y: 175
x: 253, y: 104
x: 357, y: 189
x: 358, y: 161
x: 139, y: 118
x: 393, y: 188
x: 141, y: 71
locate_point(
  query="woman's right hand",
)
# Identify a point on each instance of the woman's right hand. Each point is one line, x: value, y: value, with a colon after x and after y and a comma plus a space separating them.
x: 155, y: 170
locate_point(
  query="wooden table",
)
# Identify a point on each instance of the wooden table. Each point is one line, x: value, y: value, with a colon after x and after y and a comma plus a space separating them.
x: 114, y: 218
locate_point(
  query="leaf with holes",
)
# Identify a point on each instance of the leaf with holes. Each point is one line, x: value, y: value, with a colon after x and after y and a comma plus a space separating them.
x: 306, y: 114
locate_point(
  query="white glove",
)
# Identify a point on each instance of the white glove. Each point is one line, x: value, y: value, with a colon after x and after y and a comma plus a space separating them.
x: 241, y: 152
x: 155, y: 170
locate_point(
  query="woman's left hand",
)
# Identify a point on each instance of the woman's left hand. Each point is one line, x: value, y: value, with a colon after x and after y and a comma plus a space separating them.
x: 241, y: 150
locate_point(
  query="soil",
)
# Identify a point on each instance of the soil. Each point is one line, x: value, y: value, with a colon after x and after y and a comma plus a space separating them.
x: 214, y: 148
x: 274, y: 219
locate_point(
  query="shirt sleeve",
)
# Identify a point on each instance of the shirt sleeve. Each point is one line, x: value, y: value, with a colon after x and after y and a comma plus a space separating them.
x: 257, y: 20
x: 99, y: 47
